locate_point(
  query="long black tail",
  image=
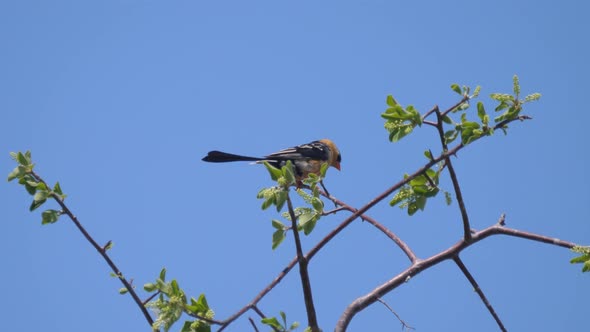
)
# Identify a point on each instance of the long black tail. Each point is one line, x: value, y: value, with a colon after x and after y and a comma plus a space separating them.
x: 224, y: 157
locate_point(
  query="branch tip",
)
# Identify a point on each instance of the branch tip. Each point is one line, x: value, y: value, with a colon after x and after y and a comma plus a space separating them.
x: 502, y: 220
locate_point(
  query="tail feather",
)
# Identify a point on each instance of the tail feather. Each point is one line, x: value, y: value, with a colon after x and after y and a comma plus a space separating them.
x: 224, y: 157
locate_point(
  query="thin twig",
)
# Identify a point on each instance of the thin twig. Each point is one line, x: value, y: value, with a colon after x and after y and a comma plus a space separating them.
x: 303, y: 272
x: 452, y: 108
x: 325, y: 213
x: 146, y: 301
x: 102, y: 251
x: 253, y: 324
x: 479, y: 292
x: 396, y: 239
x: 404, y: 324
x: 453, y: 175
x: 258, y: 311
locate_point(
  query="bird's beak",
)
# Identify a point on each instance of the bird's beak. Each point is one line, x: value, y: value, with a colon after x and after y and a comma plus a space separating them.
x: 336, y: 165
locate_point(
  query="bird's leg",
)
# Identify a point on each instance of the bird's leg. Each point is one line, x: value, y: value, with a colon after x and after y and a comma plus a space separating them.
x: 326, y: 191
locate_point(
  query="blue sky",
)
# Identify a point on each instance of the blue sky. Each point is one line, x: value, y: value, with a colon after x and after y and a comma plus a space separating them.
x: 119, y: 101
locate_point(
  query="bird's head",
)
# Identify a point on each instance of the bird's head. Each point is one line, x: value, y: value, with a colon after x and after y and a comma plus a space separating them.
x: 335, y: 157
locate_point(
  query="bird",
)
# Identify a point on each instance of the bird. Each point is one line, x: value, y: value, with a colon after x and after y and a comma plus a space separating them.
x: 306, y: 158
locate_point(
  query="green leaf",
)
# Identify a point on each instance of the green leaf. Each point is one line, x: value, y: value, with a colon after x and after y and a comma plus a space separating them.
x: 421, y: 202
x: 455, y: 87
x: 22, y: 159
x: 481, y: 112
x: 274, y: 172
x: 400, y: 132
x: 49, y: 216
x: 280, y: 199
x: 41, y: 195
x: 305, y: 218
x: 123, y: 290
x: 287, y: 171
x: 391, y: 101
x: 412, y: 208
x: 268, y: 202
x: 22, y: 172
x: 57, y: 189
x: 395, y: 112
x: 476, y: 92
x: 35, y: 204
x: 580, y: 259
x: 14, y: 174
x: 446, y: 119
x: 323, y: 170
x: 272, y: 322
x: 277, y: 238
x: 175, y: 287
x: 163, y: 274
x: 317, y: 204
x: 162, y: 286
x: 200, y: 306
x: 307, y: 221
x: 463, y: 106
x: 417, y: 181
x: 202, y: 301
x: 278, y: 225
x: 150, y: 287
x: 428, y: 154
x: 284, y: 317
x: 450, y: 136
x: 432, y: 174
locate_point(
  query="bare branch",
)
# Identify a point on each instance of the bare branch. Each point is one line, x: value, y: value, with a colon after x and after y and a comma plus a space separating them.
x: 421, y: 265
x: 151, y: 297
x: 102, y: 251
x: 479, y: 292
x: 404, y: 324
x: 456, y: 187
x: 454, y: 107
x: 303, y: 272
x: 333, y: 211
x: 253, y: 324
x: 400, y: 243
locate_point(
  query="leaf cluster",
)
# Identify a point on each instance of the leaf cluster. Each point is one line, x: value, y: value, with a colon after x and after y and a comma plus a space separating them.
x: 584, y: 257
x: 414, y: 195
x: 172, y: 303
x: 280, y: 326
x: 400, y: 121
x: 453, y: 123
x: 36, y: 188
x: 307, y: 216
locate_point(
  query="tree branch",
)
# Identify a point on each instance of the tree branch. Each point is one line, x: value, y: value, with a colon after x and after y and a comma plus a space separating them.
x: 479, y: 292
x: 421, y: 265
x: 404, y: 324
x: 456, y: 187
x: 102, y: 251
x: 400, y: 243
x: 253, y: 324
x: 312, y: 321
